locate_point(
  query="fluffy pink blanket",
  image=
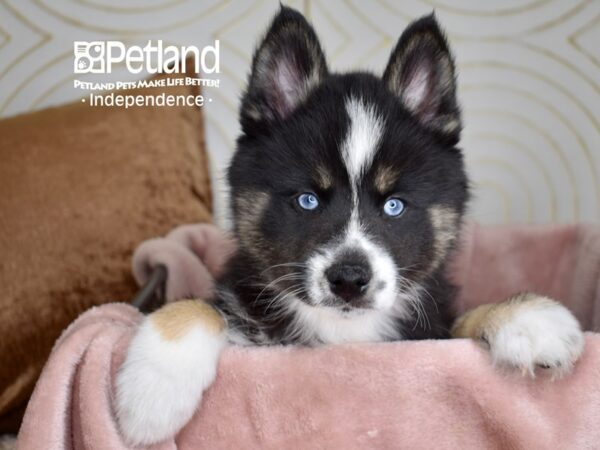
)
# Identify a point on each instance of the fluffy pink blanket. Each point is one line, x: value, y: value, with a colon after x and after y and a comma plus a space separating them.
x: 427, y: 394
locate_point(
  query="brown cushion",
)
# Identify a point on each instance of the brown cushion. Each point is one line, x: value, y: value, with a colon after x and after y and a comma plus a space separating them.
x: 80, y: 187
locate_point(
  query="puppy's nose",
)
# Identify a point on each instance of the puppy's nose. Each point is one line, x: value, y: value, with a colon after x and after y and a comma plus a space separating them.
x: 348, y: 281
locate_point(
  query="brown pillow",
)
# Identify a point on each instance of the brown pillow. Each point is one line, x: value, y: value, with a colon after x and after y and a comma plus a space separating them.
x: 80, y: 187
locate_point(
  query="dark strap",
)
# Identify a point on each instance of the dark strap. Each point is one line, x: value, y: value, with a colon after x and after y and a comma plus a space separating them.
x: 151, y: 296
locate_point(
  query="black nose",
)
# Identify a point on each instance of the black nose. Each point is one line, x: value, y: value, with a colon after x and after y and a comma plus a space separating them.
x: 348, y: 281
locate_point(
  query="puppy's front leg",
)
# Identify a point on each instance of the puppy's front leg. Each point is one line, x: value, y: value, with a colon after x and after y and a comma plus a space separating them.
x: 526, y: 331
x: 170, y: 361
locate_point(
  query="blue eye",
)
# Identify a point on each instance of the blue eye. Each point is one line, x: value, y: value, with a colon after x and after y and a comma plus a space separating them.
x: 393, y: 207
x: 308, y: 201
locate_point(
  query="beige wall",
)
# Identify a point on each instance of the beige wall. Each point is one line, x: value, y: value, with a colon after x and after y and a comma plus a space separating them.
x: 529, y: 78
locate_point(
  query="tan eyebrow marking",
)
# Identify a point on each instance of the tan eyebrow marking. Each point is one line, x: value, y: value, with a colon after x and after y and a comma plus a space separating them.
x: 385, y: 178
x: 445, y: 222
x: 323, y: 178
x: 251, y: 206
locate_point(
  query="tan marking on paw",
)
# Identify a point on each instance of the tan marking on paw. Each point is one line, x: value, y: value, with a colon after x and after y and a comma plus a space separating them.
x: 175, y: 319
x: 526, y: 332
x: 485, y: 320
x: 471, y: 324
x: 385, y: 178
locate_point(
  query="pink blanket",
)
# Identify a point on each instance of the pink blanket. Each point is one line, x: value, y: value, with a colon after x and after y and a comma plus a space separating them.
x: 428, y: 394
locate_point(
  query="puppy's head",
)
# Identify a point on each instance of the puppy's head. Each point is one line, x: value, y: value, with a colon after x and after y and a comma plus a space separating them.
x: 348, y: 189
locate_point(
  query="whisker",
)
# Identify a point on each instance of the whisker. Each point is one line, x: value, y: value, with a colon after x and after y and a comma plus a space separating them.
x: 414, y: 299
x: 258, y: 276
x: 276, y: 297
x: 288, y: 264
x: 425, y: 274
x: 296, y: 289
x: 288, y: 276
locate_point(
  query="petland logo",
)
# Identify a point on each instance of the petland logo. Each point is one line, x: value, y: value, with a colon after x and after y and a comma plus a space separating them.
x: 100, y: 56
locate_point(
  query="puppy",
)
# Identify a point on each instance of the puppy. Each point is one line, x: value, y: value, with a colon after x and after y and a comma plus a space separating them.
x: 348, y: 192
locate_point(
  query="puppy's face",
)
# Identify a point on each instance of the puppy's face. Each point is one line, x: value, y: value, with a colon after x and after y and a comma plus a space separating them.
x: 347, y: 189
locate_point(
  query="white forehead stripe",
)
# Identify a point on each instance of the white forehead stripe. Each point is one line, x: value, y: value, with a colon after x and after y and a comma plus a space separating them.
x: 362, y: 140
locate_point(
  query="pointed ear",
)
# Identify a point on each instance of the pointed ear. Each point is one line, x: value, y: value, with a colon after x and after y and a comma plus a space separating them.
x: 288, y: 64
x: 421, y: 73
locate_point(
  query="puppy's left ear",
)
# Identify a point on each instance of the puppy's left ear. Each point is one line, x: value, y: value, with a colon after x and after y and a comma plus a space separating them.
x: 287, y: 66
x: 421, y: 73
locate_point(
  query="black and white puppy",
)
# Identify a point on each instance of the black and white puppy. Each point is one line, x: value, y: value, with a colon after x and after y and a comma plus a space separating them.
x: 348, y: 193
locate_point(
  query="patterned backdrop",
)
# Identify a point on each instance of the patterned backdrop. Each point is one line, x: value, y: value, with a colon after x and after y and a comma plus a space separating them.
x: 529, y: 78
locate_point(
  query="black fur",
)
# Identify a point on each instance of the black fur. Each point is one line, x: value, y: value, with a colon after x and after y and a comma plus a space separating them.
x: 288, y: 135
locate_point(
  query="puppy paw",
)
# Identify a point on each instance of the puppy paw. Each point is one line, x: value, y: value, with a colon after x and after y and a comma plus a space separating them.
x: 532, y: 331
x: 170, y: 361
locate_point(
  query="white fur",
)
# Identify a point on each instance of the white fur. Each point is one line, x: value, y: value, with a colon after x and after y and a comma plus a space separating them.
x: 161, y: 382
x: 332, y: 326
x: 317, y: 285
x: 545, y: 334
x: 362, y: 140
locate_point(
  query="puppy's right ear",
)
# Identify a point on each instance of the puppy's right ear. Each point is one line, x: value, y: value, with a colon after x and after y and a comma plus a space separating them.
x: 287, y: 66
